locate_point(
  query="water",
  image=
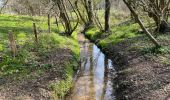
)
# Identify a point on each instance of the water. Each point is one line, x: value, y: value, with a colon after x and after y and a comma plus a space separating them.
x: 93, y: 81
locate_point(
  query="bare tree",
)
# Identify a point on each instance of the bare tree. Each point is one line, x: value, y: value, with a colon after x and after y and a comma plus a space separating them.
x: 158, y: 10
x: 67, y: 23
x: 90, y: 11
x: 136, y: 16
x: 107, y: 14
x: 30, y: 7
x: 4, y: 3
x: 88, y: 5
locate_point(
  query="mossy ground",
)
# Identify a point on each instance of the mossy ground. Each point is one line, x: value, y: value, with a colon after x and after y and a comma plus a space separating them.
x: 33, y: 59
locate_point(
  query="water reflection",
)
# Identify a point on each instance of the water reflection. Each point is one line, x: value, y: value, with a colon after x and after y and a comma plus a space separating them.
x: 94, y: 78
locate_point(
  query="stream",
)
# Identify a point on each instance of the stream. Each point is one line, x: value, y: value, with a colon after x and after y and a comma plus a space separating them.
x: 94, y: 78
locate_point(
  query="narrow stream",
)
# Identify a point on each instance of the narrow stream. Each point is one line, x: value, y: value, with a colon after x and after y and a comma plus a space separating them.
x: 93, y: 81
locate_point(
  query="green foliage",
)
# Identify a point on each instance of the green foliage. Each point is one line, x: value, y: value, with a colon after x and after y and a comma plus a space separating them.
x: 154, y: 50
x: 119, y: 34
x: 61, y: 88
x: 28, y: 51
x: 93, y: 33
x: 165, y: 60
x: 1, y: 47
x: 164, y: 37
x: 23, y: 24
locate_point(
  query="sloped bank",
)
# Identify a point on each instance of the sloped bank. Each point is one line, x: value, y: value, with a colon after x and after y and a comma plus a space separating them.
x: 143, y: 73
x: 39, y: 71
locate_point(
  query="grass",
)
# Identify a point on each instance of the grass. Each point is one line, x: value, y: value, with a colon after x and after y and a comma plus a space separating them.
x: 93, y: 33
x: 61, y: 88
x: 22, y: 27
x: 118, y: 34
x: 140, y: 42
x: 29, y: 53
x: 146, y: 64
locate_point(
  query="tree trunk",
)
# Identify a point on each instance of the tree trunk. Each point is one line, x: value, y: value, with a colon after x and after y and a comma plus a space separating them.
x: 49, y: 24
x: 64, y: 16
x: 164, y: 27
x: 35, y: 32
x: 66, y: 22
x: 142, y: 25
x: 1, y: 9
x: 107, y: 15
x: 160, y: 14
x: 90, y: 12
x: 56, y: 21
x: 161, y: 23
x: 79, y: 13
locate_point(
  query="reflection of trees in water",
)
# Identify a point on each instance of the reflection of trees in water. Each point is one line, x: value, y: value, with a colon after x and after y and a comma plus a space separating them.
x: 97, y: 58
x: 84, y: 56
x: 106, y: 71
x: 90, y: 63
x: 92, y: 86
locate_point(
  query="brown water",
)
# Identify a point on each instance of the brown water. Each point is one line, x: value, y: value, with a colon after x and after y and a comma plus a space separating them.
x: 93, y: 81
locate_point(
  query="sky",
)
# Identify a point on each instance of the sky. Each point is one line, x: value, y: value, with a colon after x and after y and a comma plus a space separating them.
x: 0, y: 3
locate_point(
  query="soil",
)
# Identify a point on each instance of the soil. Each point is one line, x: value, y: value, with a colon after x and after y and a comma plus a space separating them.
x: 139, y: 76
x: 36, y: 87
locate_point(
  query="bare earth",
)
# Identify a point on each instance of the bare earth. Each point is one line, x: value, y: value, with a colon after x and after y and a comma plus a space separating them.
x: 140, y: 77
x: 36, y: 87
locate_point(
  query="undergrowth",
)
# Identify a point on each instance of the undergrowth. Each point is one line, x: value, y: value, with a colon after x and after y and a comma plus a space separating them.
x: 29, y: 52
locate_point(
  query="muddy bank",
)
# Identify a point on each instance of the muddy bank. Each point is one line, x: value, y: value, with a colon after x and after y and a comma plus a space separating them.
x: 139, y: 76
x: 46, y: 71
x: 40, y: 84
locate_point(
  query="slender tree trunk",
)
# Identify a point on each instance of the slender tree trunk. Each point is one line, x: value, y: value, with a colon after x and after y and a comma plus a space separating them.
x: 80, y: 15
x: 107, y: 15
x: 142, y: 25
x: 67, y: 24
x: 56, y: 21
x: 90, y: 12
x: 159, y: 14
x: 49, y: 24
x: 163, y: 26
x: 35, y: 32
x: 64, y: 16
x: 3, y: 6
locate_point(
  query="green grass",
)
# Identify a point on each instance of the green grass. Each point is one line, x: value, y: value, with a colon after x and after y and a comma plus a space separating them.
x: 118, y: 34
x: 136, y: 41
x: 29, y: 53
x: 93, y: 33
x: 21, y: 26
x: 61, y: 88
x: 22, y: 29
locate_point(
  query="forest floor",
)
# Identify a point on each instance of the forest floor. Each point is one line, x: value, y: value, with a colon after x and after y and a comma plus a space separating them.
x: 143, y: 72
x: 42, y: 70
